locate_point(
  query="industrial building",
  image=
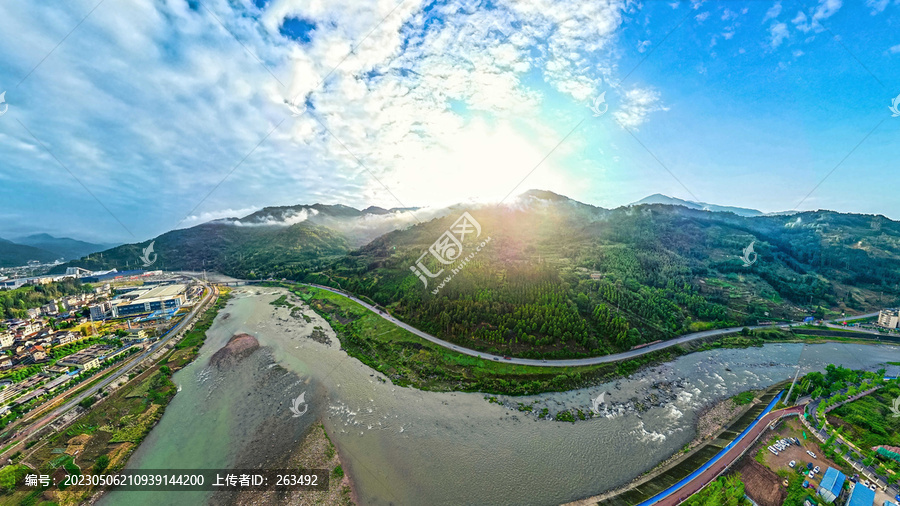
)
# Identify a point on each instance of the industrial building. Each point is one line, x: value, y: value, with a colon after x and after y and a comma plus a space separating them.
x: 861, y: 496
x: 142, y: 300
x: 832, y: 483
x: 148, y: 300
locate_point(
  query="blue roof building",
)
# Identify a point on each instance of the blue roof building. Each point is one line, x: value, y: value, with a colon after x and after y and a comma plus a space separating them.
x: 832, y: 483
x: 861, y: 496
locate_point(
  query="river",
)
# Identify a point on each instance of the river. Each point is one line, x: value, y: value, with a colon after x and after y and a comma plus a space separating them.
x: 407, y: 447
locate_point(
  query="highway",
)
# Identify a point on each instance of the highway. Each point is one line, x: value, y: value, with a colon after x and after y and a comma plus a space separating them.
x: 576, y: 362
x: 125, y: 369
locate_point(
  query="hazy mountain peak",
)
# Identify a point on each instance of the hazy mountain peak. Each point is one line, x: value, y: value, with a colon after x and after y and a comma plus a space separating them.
x: 658, y: 198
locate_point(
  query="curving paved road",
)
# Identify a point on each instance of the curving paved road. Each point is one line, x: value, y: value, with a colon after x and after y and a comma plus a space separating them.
x: 575, y: 362
x: 52, y: 415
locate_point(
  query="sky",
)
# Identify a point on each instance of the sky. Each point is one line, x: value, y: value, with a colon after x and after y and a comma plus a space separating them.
x: 124, y: 119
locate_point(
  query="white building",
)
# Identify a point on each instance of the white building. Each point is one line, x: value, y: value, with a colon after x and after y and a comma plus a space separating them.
x: 889, y: 318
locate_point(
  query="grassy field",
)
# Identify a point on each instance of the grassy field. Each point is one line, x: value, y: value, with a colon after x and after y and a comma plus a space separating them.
x: 411, y: 361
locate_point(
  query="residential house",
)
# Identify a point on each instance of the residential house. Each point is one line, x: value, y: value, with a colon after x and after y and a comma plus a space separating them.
x: 64, y: 338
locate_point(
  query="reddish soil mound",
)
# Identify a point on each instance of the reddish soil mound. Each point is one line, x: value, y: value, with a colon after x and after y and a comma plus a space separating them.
x: 761, y: 484
x: 238, y: 347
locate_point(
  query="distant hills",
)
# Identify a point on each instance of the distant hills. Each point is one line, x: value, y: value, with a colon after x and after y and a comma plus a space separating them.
x: 658, y: 198
x: 44, y: 248
x: 558, y: 277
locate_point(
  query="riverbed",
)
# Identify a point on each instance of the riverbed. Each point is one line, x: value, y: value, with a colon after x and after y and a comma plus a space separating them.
x: 405, y: 446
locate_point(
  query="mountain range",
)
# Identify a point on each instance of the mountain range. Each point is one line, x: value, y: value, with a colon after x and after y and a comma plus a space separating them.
x: 44, y: 248
x: 555, y: 277
x: 703, y: 206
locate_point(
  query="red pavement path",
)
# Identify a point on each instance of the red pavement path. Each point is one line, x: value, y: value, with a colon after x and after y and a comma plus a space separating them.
x: 726, y: 460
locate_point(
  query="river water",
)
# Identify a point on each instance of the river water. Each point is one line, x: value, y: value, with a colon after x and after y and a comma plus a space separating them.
x: 408, y: 447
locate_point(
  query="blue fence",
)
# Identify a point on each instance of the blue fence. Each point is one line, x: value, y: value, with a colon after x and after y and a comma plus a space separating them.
x: 674, y: 488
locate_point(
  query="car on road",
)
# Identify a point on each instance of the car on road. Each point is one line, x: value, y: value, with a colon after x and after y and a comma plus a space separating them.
x: 495, y: 358
x: 507, y: 358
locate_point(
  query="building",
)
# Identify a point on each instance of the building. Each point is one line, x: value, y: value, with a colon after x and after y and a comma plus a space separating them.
x: 136, y: 335
x: 100, y: 311
x: 832, y: 482
x: 148, y: 300
x: 86, y: 359
x: 889, y: 318
x: 64, y: 338
x: 861, y: 496
x: 6, y: 339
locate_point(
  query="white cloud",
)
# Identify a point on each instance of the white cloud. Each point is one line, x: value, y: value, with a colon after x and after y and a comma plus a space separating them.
x: 778, y: 32
x: 895, y: 49
x: 638, y: 104
x: 172, y: 113
x: 773, y: 12
x: 877, y: 6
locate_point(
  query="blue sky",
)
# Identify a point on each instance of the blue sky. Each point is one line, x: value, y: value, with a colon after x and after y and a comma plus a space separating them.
x: 126, y: 119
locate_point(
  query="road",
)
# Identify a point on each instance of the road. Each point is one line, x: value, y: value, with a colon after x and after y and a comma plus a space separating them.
x: 679, y: 493
x: 125, y: 369
x: 575, y: 362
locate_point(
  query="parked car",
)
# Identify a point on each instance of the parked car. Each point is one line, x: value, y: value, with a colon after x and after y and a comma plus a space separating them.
x: 811, y: 454
x: 805, y: 483
x: 792, y: 463
x: 816, y: 470
x: 809, y: 466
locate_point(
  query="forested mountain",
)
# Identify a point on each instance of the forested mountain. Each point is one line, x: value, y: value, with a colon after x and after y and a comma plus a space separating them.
x: 62, y: 247
x: 561, y: 278
x: 273, y: 239
x: 556, y: 277
x: 672, y: 201
x: 14, y: 255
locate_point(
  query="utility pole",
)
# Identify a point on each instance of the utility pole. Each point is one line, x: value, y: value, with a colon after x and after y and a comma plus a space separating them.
x: 788, y: 398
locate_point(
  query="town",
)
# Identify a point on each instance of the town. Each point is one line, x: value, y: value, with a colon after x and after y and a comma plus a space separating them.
x: 47, y: 350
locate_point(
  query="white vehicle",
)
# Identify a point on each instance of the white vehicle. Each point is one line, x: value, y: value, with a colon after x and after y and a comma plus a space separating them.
x: 872, y: 487
x: 792, y: 463
x: 816, y: 470
x: 811, y: 454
